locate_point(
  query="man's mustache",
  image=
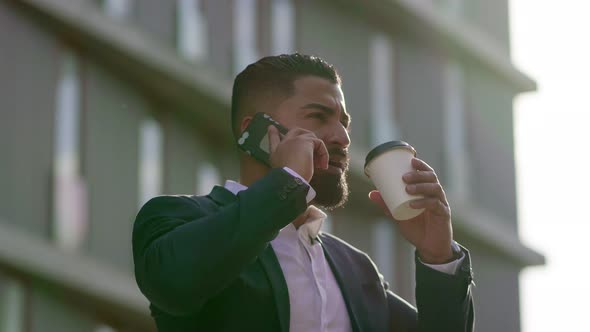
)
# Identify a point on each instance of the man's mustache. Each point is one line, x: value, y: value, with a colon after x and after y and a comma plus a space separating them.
x: 339, y: 155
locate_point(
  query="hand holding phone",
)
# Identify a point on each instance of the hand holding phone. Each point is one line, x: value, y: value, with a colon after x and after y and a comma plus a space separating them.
x: 299, y: 149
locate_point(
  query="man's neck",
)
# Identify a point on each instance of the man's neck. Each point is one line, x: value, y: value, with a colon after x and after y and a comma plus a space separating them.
x: 300, y: 220
x: 251, y: 172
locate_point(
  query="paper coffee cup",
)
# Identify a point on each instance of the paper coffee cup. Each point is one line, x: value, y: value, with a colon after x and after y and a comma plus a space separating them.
x: 385, y: 165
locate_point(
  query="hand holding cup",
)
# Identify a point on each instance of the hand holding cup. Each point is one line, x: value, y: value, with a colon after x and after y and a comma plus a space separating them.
x: 414, y: 197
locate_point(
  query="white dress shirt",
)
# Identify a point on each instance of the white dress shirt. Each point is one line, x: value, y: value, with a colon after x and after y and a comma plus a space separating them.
x: 315, y: 299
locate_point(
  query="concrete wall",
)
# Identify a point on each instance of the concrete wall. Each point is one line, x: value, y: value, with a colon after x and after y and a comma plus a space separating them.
x: 28, y: 70
x: 490, y: 137
x: 497, y: 302
x: 113, y: 111
x: 491, y: 17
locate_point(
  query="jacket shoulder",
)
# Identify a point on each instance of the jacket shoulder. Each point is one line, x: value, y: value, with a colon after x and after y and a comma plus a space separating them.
x: 173, y: 206
x: 163, y: 213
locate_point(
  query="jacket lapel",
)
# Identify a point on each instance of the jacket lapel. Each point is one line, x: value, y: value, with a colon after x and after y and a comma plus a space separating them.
x: 347, y: 281
x: 269, y: 263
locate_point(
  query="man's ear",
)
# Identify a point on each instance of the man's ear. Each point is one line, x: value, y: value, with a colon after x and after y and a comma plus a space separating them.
x: 245, y: 122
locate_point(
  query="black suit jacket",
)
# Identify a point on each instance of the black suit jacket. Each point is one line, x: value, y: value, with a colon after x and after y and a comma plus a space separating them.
x: 205, y: 264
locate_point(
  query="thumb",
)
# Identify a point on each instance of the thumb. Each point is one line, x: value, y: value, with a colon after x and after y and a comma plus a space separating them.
x: 376, y: 197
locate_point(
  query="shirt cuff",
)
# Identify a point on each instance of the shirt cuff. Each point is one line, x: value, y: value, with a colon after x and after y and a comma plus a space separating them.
x: 448, y: 268
x: 311, y: 192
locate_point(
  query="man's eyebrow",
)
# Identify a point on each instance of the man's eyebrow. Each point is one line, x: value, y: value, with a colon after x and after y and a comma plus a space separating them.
x: 328, y: 110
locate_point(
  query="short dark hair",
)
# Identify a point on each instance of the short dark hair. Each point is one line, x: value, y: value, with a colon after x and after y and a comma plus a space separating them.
x: 274, y: 75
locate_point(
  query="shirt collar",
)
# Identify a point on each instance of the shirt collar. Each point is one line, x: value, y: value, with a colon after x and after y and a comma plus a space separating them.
x: 313, y: 223
x: 313, y: 220
x: 234, y: 187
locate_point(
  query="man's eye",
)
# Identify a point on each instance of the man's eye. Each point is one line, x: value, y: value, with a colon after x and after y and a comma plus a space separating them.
x: 320, y: 116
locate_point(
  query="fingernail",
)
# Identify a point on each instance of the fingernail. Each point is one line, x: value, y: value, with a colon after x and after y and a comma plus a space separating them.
x: 406, y: 176
x: 411, y: 188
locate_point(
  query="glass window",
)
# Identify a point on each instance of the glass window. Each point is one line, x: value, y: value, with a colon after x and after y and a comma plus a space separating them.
x: 118, y: 9
x: 454, y: 122
x: 67, y: 117
x: 12, y: 306
x: 69, y: 197
x: 383, y: 120
x: 245, y: 43
x: 150, y: 160
x: 384, y: 237
x: 282, y: 27
x: 207, y: 177
x: 192, y: 37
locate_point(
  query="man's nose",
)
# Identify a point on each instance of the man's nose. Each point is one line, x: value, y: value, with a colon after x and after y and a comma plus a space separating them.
x: 339, y: 136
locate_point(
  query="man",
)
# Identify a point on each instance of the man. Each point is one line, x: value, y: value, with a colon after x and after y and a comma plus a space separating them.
x: 250, y: 256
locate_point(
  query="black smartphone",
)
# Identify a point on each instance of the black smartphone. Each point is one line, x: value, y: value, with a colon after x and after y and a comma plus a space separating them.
x: 254, y: 139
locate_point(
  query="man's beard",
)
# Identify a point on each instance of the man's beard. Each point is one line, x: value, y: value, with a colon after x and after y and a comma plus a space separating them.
x: 331, y: 188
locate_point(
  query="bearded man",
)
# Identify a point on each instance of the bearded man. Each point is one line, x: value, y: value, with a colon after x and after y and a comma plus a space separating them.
x: 251, y: 256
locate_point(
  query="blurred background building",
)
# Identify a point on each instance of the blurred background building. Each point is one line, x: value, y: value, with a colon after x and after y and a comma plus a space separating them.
x: 105, y: 104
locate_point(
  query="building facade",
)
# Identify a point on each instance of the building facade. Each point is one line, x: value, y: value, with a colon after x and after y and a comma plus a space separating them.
x: 105, y: 104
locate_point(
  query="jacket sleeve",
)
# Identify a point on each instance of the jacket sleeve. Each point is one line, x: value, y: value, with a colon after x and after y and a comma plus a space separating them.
x: 185, y: 254
x: 444, y: 301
